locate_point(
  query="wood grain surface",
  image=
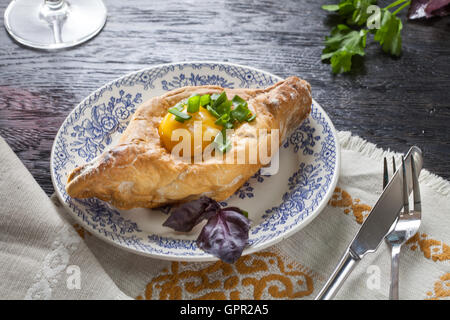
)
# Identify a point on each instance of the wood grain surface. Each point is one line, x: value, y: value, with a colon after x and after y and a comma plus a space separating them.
x: 394, y: 103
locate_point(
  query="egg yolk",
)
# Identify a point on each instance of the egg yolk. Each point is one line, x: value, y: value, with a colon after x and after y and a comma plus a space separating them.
x: 203, y: 117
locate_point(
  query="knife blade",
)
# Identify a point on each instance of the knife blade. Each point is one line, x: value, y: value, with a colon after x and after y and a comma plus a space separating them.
x: 375, y: 227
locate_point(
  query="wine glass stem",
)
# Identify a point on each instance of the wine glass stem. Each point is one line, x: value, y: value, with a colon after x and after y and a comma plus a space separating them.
x: 57, y: 31
x: 55, y: 12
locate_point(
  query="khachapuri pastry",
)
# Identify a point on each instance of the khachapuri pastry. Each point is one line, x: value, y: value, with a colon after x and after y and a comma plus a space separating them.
x: 149, y: 168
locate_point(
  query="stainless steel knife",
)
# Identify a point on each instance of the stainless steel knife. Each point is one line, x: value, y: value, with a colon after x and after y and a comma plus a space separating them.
x: 378, y: 223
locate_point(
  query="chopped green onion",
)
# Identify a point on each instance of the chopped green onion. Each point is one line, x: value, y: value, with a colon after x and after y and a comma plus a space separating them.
x: 223, y: 120
x: 212, y: 111
x: 240, y: 113
x: 193, y: 104
x: 221, y: 99
x: 205, y: 100
x: 179, y: 106
x: 224, y: 108
x: 238, y: 100
x: 179, y: 116
x: 214, y: 96
x: 229, y: 125
x: 227, y: 112
x: 252, y: 117
x: 221, y: 141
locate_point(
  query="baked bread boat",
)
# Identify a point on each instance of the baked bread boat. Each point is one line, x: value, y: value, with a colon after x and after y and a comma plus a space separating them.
x: 140, y: 170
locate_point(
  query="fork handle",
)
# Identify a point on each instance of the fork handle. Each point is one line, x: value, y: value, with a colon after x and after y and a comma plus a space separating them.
x: 395, y: 259
x: 345, y: 266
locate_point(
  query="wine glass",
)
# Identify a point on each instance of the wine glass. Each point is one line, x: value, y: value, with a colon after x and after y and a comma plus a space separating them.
x: 54, y: 24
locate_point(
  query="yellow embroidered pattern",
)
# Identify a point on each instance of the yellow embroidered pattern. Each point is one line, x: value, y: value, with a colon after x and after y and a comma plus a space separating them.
x: 257, y: 276
x: 342, y: 199
x: 432, y: 249
x: 441, y: 288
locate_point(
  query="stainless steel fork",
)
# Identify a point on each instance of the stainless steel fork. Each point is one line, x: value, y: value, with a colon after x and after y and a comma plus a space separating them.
x: 407, y: 224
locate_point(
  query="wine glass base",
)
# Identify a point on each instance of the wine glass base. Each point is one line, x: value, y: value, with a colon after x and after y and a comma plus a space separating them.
x: 29, y: 24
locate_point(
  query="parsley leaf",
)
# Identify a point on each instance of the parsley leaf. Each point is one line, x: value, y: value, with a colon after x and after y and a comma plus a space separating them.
x: 354, y: 11
x: 360, y: 15
x: 330, y: 7
x: 389, y: 34
x: 344, y: 8
x: 342, y: 45
x: 349, y: 39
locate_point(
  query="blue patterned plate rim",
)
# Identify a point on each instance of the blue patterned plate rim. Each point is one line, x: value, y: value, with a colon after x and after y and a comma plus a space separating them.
x: 194, y: 254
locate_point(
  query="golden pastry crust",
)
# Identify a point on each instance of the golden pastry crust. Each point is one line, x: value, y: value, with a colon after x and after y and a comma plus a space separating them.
x: 140, y: 172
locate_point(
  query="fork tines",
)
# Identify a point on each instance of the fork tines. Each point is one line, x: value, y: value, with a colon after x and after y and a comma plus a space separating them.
x: 416, y: 188
x: 386, y: 171
x: 415, y: 181
x: 405, y: 187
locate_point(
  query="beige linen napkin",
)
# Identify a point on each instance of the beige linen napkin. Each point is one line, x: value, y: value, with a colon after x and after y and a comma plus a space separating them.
x: 39, y: 251
x: 45, y: 254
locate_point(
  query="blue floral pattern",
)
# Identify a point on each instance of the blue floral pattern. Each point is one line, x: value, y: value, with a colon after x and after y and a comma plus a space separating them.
x: 303, y: 138
x: 245, y: 191
x: 102, y: 116
x: 94, y: 133
x: 101, y: 215
x: 195, y: 80
x: 302, y: 186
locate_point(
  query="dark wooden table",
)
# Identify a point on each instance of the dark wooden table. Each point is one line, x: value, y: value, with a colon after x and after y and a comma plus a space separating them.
x: 394, y: 103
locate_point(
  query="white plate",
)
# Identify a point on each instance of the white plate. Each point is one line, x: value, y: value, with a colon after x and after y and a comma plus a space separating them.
x: 278, y: 205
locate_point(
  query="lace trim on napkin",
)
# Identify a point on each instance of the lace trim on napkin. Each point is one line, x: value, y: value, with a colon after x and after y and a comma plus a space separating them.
x: 55, y: 262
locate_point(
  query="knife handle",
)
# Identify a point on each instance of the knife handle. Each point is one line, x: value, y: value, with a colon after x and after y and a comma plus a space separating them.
x: 345, y: 266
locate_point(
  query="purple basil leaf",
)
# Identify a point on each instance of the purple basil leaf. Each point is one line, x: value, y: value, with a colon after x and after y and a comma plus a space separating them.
x: 189, y: 214
x: 225, y: 235
x: 428, y: 8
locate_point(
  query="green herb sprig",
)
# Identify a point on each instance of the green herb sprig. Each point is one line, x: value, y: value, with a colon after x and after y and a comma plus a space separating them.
x: 349, y: 38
